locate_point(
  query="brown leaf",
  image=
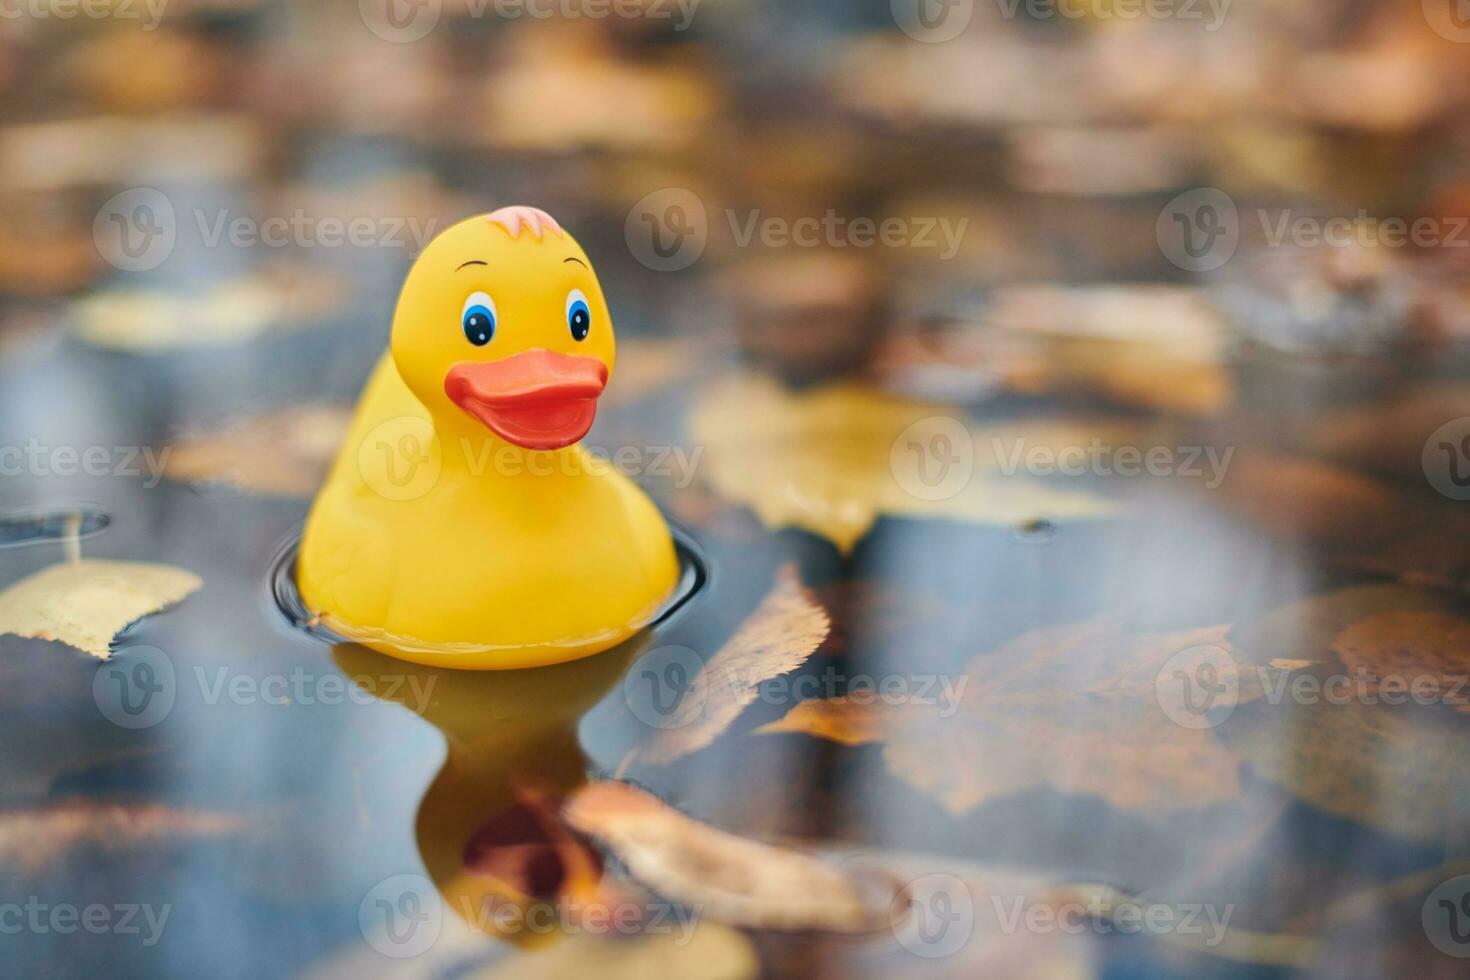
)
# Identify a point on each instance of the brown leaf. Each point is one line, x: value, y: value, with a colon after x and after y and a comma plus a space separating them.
x: 85, y: 604
x: 285, y: 453
x: 1417, y: 650
x: 783, y: 631
x: 33, y: 839
x: 1077, y: 706
x: 1401, y: 770
x: 824, y: 459
x: 733, y: 880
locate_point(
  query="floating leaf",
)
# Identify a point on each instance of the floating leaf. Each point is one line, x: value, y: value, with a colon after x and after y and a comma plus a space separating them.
x: 732, y: 879
x: 823, y: 460
x: 782, y: 632
x: 85, y: 604
x: 1077, y: 706
x: 285, y: 453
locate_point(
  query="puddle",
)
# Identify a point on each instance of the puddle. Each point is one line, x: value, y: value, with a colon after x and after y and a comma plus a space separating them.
x: 693, y: 576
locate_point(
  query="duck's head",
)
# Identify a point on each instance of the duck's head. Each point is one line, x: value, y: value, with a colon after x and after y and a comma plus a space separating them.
x: 502, y: 325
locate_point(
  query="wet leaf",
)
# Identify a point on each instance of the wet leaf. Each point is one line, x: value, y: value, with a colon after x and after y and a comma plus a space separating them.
x: 1401, y: 770
x: 733, y: 880
x: 285, y: 453
x: 783, y: 631
x: 85, y: 604
x: 1083, y: 707
x: 1416, y: 652
x: 824, y: 460
x: 32, y: 840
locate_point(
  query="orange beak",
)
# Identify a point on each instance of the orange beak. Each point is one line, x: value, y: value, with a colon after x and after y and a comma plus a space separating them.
x: 538, y: 399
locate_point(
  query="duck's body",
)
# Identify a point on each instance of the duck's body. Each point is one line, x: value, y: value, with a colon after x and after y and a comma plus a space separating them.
x: 446, y: 539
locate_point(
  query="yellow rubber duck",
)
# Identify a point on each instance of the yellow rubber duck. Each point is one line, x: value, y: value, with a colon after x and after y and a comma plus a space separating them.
x: 461, y: 525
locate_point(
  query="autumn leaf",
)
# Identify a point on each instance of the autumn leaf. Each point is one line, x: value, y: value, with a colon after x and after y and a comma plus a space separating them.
x: 285, y: 453
x: 783, y: 631
x: 734, y: 880
x: 830, y: 460
x: 85, y: 604
x: 1083, y: 707
x: 1398, y: 769
x: 1419, y: 653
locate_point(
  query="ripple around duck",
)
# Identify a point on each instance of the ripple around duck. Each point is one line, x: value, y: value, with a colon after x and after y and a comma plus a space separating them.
x: 51, y: 522
x: 693, y: 576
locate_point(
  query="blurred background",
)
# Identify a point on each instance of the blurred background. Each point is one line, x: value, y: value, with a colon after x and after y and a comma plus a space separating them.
x: 1233, y: 223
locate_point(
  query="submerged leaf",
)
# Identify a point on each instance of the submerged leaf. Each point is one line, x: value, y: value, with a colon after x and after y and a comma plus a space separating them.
x: 826, y: 460
x: 1400, y: 770
x: 784, y: 630
x: 1082, y: 707
x: 85, y: 604
x: 732, y: 879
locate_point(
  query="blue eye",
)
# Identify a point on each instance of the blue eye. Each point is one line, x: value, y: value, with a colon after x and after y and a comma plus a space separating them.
x: 579, y: 315
x: 478, y: 319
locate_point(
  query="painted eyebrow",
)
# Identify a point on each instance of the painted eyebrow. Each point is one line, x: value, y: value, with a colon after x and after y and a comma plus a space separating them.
x: 576, y: 260
x: 472, y: 262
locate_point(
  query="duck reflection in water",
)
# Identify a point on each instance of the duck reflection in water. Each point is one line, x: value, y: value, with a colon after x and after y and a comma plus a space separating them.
x: 484, y: 831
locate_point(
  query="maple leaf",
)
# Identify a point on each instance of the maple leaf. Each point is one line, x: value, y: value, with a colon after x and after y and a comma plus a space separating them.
x: 830, y: 460
x: 86, y: 603
x: 1083, y: 707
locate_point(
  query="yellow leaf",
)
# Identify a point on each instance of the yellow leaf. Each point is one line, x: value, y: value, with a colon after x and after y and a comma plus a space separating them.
x: 733, y: 880
x: 830, y: 460
x: 85, y: 604
x: 783, y: 631
x: 285, y: 453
